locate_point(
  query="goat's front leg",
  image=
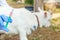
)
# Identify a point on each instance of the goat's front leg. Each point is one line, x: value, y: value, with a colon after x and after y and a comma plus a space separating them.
x: 47, y: 24
x: 22, y: 34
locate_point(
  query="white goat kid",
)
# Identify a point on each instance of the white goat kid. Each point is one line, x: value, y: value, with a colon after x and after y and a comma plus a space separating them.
x: 24, y: 21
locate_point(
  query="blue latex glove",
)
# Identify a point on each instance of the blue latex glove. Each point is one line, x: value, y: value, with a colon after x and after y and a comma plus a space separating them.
x: 3, y: 19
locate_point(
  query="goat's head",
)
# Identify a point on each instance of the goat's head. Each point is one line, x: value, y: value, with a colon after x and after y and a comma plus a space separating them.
x: 46, y: 14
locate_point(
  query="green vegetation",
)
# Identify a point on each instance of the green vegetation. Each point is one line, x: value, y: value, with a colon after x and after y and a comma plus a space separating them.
x: 14, y: 0
x: 57, y: 10
x: 55, y: 23
x: 30, y: 2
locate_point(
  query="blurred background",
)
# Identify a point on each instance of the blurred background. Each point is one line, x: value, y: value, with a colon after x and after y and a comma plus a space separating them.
x: 33, y: 4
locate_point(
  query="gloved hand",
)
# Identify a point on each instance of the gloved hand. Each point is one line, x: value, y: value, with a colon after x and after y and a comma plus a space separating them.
x: 3, y: 19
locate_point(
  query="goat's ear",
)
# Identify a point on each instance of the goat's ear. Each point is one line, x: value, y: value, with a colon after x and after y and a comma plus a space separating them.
x: 39, y: 9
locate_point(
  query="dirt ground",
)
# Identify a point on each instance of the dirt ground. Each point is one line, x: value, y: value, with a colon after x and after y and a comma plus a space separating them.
x: 39, y: 34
